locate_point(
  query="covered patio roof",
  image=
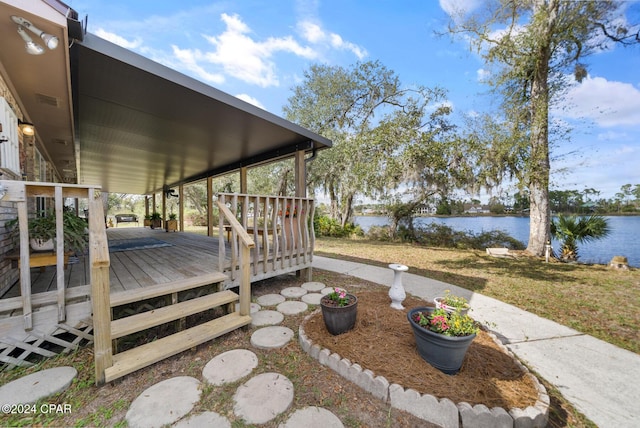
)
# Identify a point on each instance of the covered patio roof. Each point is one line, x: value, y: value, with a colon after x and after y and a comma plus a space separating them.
x: 134, y: 126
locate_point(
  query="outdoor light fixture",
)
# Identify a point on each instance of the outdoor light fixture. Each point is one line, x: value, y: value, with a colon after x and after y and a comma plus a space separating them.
x: 32, y: 47
x: 27, y: 128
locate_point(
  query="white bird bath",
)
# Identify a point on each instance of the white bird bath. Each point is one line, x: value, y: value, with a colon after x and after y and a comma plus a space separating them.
x: 396, y: 292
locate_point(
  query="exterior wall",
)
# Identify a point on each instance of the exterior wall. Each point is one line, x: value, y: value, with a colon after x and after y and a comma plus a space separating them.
x: 8, y: 212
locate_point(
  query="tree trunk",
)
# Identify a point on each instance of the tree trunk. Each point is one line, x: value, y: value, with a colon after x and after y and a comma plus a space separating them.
x: 539, y: 215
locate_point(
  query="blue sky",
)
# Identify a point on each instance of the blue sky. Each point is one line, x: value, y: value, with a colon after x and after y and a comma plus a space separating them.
x: 258, y: 51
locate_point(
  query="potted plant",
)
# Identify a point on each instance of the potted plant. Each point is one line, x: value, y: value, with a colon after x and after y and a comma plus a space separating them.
x: 452, y: 303
x: 42, y: 232
x: 156, y: 220
x: 339, y: 311
x: 172, y: 223
x: 442, y: 337
x: 147, y: 220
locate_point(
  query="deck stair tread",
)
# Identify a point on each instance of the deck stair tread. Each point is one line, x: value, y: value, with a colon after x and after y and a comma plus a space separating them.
x: 131, y: 296
x: 129, y: 361
x: 144, y: 320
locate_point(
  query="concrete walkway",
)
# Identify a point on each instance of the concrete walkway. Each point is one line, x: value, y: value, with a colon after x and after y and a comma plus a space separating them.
x: 599, y: 379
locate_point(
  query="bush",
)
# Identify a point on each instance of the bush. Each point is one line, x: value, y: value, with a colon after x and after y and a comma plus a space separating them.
x: 327, y: 226
x: 379, y: 233
x: 440, y: 235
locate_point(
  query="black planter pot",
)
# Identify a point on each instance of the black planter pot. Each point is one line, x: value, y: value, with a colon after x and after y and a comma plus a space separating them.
x: 446, y: 353
x: 339, y: 319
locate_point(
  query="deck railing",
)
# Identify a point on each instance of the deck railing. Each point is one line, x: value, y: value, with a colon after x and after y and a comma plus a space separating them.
x: 281, y: 227
x: 19, y: 192
x: 245, y: 244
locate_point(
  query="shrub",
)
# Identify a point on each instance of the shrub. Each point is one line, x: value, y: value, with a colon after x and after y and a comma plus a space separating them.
x: 327, y: 226
x: 440, y: 235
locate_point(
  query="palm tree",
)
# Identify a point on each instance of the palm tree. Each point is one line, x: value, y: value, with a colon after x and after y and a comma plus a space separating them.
x: 570, y: 230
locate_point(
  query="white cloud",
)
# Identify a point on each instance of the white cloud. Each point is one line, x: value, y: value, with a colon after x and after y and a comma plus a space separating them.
x: 251, y: 100
x: 483, y: 75
x: 607, y: 103
x: 188, y: 59
x: 118, y: 40
x: 247, y: 59
x: 455, y: 8
x: 315, y: 34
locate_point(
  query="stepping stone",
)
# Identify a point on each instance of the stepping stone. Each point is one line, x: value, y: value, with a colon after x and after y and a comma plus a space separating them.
x: 230, y: 366
x: 313, y: 286
x: 164, y: 403
x: 263, y: 397
x: 292, y: 307
x: 293, y: 292
x: 271, y: 337
x: 254, y: 307
x: 206, y: 419
x: 270, y: 299
x: 312, y: 298
x: 31, y: 388
x: 328, y: 290
x: 262, y: 318
x: 313, y: 417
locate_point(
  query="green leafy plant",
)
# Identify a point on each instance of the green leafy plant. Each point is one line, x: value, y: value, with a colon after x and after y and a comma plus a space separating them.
x: 446, y: 323
x: 570, y: 230
x: 453, y: 301
x: 156, y: 216
x: 339, y: 296
x: 43, y: 228
x: 173, y: 216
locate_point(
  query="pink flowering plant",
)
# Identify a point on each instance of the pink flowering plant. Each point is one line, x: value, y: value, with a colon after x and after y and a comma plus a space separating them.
x: 339, y: 296
x: 447, y: 323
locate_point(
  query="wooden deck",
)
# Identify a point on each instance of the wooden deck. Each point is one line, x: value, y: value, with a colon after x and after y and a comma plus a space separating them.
x: 189, y: 255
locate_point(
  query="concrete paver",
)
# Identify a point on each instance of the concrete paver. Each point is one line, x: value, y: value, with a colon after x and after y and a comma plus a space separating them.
x: 292, y: 307
x: 205, y: 419
x: 164, y: 403
x: 313, y: 417
x: 262, y: 318
x: 313, y: 286
x: 271, y: 337
x: 263, y: 397
x: 270, y: 299
x: 230, y: 366
x: 38, y: 385
x: 312, y: 298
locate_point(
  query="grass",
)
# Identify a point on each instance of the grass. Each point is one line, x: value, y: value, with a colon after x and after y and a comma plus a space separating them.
x: 592, y: 299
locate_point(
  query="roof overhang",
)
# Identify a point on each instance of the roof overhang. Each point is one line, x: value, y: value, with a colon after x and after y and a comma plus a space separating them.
x: 127, y: 123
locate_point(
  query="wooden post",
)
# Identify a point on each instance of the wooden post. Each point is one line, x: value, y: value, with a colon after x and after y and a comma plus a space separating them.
x: 164, y: 209
x: 25, y: 270
x: 60, y: 253
x: 301, y: 192
x: 243, y: 180
x: 181, y: 207
x: 300, y: 175
x: 210, y: 207
x: 100, y: 300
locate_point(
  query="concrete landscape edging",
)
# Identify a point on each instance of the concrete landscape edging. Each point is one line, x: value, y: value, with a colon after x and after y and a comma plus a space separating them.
x: 427, y: 407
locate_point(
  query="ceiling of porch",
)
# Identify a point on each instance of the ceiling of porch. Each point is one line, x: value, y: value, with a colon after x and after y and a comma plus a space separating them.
x: 108, y: 116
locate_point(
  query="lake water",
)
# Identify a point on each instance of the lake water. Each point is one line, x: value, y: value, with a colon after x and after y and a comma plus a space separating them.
x: 624, y: 239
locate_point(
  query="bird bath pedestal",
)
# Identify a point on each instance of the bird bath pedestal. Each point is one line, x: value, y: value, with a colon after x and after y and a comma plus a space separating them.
x: 396, y: 292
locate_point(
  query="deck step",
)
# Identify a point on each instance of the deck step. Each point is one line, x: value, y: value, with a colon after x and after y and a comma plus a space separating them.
x: 129, y: 361
x: 144, y: 320
x: 131, y: 296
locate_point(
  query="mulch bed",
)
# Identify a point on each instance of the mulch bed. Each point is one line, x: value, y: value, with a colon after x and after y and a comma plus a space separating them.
x: 382, y: 341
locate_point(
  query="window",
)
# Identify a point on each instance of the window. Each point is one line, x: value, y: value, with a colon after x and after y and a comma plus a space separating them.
x: 10, y: 149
